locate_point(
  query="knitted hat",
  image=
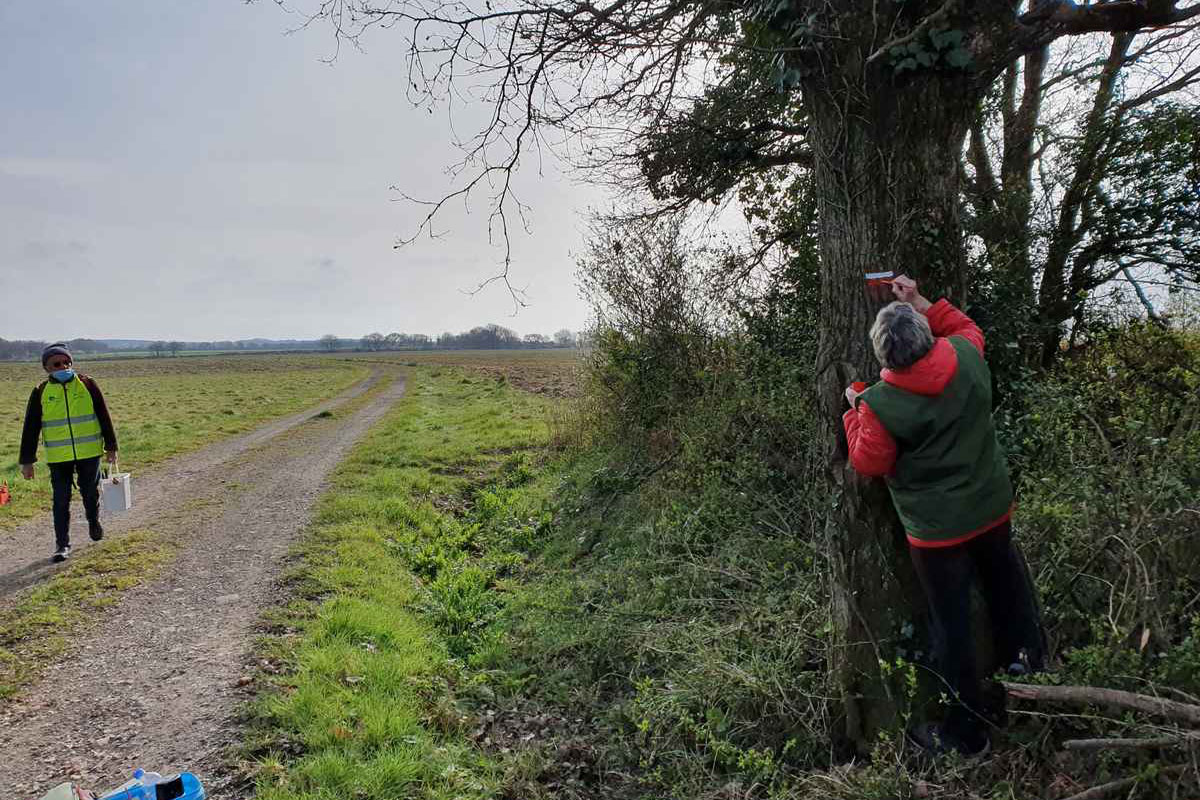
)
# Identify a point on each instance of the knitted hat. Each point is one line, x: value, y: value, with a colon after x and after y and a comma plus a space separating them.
x: 56, y: 349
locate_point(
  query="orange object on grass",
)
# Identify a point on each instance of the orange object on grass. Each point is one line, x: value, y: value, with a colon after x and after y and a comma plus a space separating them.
x: 5, y: 497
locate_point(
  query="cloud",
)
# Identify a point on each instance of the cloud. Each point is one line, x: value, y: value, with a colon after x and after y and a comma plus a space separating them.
x: 41, y: 251
x: 184, y: 196
x: 57, y: 170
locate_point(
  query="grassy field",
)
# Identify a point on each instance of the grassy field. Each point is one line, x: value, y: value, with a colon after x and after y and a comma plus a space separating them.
x: 163, y: 407
x: 553, y: 373
x: 119, y: 354
x: 386, y: 601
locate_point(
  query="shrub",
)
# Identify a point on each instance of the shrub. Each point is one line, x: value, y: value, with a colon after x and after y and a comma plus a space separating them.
x: 1108, y: 452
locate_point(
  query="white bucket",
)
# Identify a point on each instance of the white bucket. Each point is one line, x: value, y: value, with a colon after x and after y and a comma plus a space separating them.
x: 115, y: 490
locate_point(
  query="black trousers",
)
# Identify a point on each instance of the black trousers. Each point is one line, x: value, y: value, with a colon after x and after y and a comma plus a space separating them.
x: 947, y: 574
x: 61, y: 477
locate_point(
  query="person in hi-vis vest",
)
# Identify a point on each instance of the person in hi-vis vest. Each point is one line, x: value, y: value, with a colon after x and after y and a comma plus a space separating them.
x: 68, y: 413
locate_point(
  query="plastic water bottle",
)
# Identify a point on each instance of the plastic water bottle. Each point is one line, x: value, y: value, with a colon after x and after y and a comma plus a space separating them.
x: 140, y: 788
x: 146, y: 786
x: 147, y: 778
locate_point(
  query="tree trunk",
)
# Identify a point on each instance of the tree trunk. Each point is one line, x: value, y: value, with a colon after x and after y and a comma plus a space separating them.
x: 886, y: 166
x: 1060, y: 293
x: 1003, y: 204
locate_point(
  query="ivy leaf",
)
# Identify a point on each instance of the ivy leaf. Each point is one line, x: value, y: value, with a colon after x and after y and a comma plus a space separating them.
x: 959, y: 57
x: 925, y: 59
x: 908, y: 63
x: 947, y: 39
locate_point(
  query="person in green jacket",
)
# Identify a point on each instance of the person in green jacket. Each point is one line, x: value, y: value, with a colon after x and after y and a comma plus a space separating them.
x: 927, y: 429
x: 68, y: 413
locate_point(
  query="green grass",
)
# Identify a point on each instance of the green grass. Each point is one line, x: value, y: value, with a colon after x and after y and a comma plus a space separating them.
x: 386, y: 595
x: 38, y: 628
x: 680, y: 618
x: 164, y: 407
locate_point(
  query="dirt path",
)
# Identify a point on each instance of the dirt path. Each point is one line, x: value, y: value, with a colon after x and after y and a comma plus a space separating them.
x: 155, y: 685
x: 25, y: 550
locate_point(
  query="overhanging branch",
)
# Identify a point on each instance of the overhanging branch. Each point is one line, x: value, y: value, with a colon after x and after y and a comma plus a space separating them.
x: 1128, y: 16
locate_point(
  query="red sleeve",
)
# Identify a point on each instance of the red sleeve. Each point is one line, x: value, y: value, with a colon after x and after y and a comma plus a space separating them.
x: 946, y: 320
x: 872, y: 448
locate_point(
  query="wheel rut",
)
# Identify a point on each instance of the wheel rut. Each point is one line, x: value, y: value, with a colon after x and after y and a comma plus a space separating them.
x: 156, y: 683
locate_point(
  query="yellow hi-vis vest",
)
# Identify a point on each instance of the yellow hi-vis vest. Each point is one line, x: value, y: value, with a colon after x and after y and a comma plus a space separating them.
x: 70, y: 430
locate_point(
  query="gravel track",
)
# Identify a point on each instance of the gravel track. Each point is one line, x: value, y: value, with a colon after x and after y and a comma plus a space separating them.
x: 25, y: 550
x: 155, y: 684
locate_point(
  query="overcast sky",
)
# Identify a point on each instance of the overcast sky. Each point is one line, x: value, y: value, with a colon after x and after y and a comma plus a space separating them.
x: 187, y: 170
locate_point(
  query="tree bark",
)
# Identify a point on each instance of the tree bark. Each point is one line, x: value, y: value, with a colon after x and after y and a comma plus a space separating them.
x: 885, y: 163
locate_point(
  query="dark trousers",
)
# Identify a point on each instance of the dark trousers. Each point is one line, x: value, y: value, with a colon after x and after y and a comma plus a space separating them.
x: 947, y: 574
x: 61, y: 477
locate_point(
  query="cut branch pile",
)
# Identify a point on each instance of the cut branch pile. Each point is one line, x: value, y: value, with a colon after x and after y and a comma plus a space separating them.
x: 1114, y: 699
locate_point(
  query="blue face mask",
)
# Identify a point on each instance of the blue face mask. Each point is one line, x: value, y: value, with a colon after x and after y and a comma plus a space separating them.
x: 63, y: 375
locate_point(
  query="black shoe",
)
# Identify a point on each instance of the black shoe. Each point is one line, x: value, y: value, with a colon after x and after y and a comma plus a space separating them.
x: 61, y: 554
x: 993, y: 704
x: 935, y: 740
x: 95, y: 530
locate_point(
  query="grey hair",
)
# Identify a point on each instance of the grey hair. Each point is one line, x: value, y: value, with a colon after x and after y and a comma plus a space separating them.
x: 900, y: 335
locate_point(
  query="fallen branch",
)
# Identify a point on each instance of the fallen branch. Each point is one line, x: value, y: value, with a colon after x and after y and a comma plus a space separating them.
x: 1109, y: 698
x: 1106, y: 789
x: 1133, y: 744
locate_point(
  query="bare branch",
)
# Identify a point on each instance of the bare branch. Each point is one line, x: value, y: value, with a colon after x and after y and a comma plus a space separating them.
x: 938, y: 17
x: 1157, y: 743
x: 1110, y: 789
x: 1108, y: 698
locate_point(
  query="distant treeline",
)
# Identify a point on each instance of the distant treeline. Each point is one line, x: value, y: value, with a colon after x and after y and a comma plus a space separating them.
x: 31, y: 350
x: 28, y: 349
x: 483, y: 337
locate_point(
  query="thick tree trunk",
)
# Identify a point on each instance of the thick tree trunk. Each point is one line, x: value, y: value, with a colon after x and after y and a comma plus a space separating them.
x: 886, y: 161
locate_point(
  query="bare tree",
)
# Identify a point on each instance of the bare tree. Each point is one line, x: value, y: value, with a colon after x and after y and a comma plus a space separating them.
x: 329, y: 342
x: 1072, y: 176
x: 881, y: 97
